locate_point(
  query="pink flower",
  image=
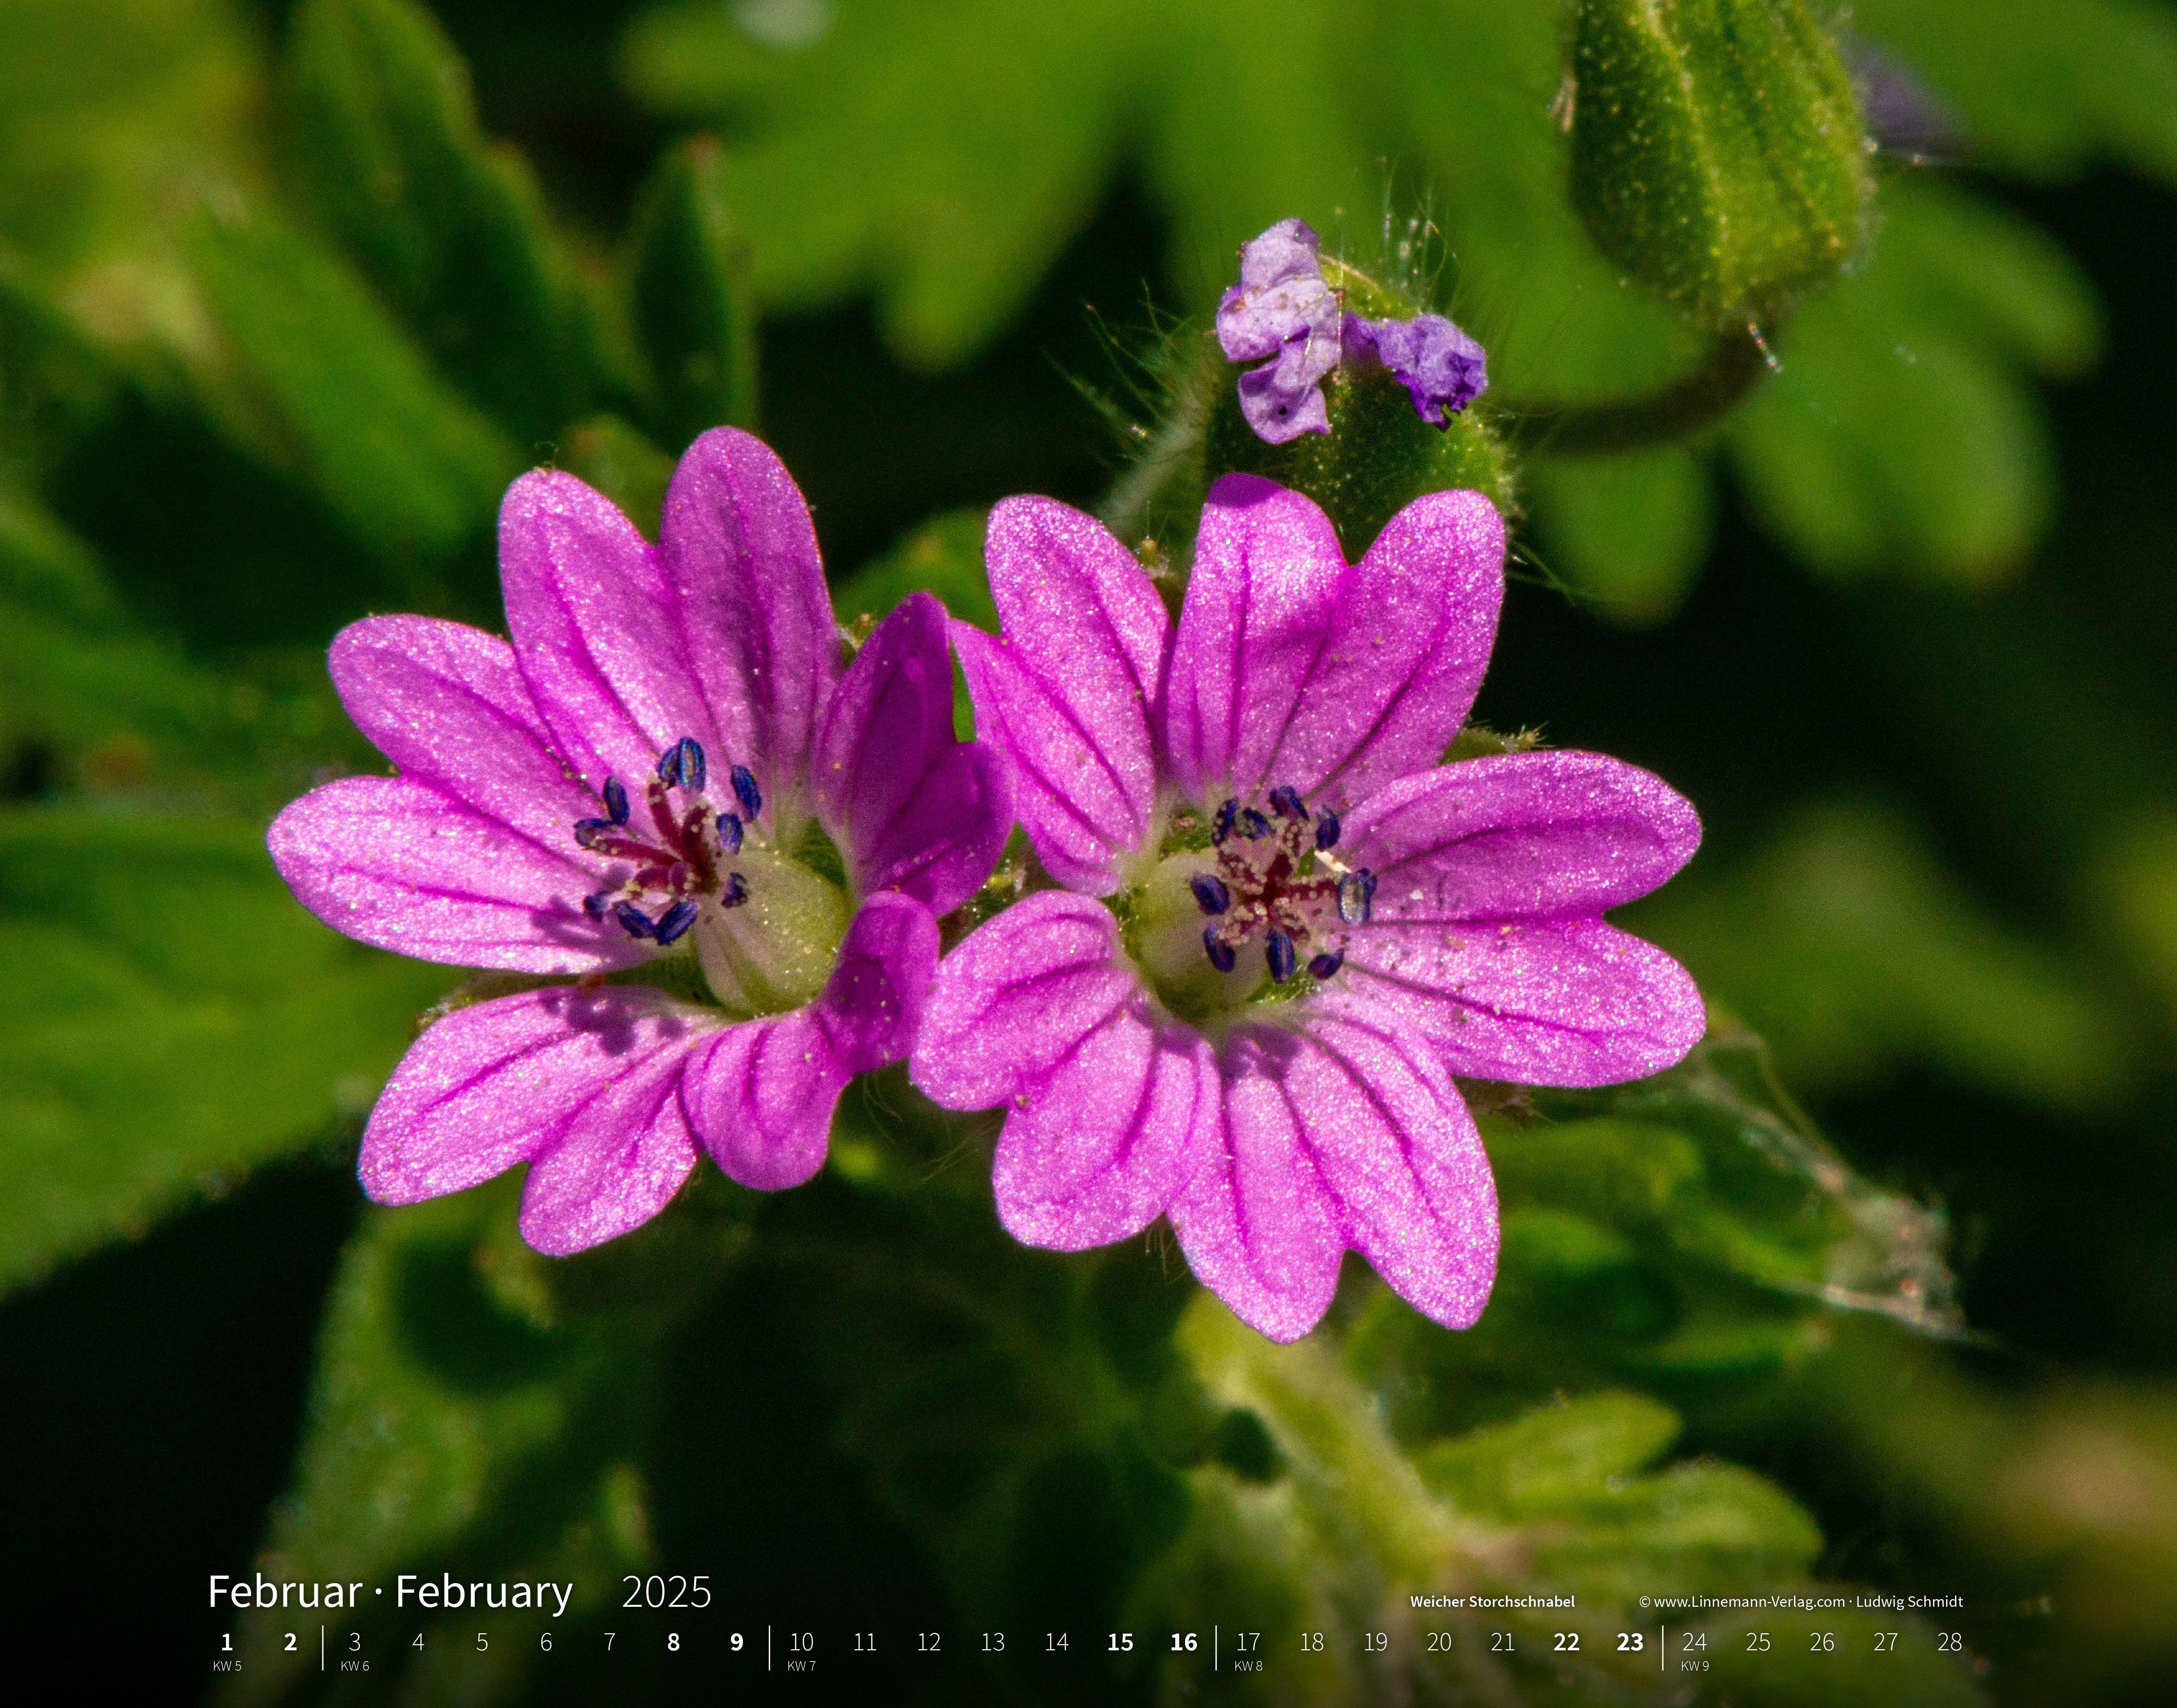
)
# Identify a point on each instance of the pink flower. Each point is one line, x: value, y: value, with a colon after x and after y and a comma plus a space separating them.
x: 668, y: 775
x: 1284, y: 926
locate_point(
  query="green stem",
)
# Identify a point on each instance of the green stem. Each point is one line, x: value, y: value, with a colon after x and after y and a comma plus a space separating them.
x: 1735, y: 365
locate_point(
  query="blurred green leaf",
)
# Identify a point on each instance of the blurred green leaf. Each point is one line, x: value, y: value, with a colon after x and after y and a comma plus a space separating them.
x: 473, y: 1414
x: 1853, y: 950
x: 943, y: 556
x: 1628, y: 532
x: 689, y: 305
x: 2045, y: 91
x: 451, y: 230
x: 165, y: 1032
x: 316, y: 381
x: 621, y: 463
x: 1899, y: 430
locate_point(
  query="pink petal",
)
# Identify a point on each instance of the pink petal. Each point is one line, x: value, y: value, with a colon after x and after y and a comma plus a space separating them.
x: 1520, y: 836
x: 1081, y: 807
x: 1539, y: 1003
x: 761, y: 1093
x: 741, y: 553
x: 1343, y: 1133
x: 912, y: 808
x: 595, y: 630
x: 399, y: 864
x: 1017, y: 996
x: 447, y: 704
x: 1096, y: 1147
x: 580, y: 1083
x: 1290, y: 667
x: 1257, y: 617
x: 1070, y: 689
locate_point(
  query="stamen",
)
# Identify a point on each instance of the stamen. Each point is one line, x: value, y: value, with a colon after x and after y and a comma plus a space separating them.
x: 1220, y: 827
x: 589, y: 832
x: 1252, y: 824
x: 694, y: 768
x: 1356, y: 896
x: 1286, y: 799
x: 735, y: 891
x: 1326, y: 829
x: 1219, y: 951
x: 1210, y: 894
x: 729, y: 832
x: 673, y: 924
x: 595, y: 906
x: 633, y: 921
x: 1323, y: 966
x: 1279, y: 949
x: 615, y: 793
x: 669, y: 766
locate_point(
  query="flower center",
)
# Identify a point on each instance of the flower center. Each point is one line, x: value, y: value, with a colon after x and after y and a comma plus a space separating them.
x: 1268, y: 876
x: 766, y: 926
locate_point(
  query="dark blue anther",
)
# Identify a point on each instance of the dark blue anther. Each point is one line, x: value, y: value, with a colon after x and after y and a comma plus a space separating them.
x: 735, y: 892
x: 1279, y: 949
x: 1286, y: 799
x: 729, y: 831
x: 1326, y: 829
x: 1322, y: 966
x: 1220, y: 827
x: 595, y: 905
x: 673, y: 924
x: 745, y: 792
x: 1210, y: 894
x: 1252, y: 824
x: 615, y: 793
x: 588, y: 830
x: 694, y: 768
x: 668, y: 765
x: 1219, y: 951
x: 633, y: 921
x: 1357, y: 896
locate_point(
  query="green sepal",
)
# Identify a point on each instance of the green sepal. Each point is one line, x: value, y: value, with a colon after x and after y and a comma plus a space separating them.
x: 689, y: 302
x: 1718, y: 155
x: 450, y: 228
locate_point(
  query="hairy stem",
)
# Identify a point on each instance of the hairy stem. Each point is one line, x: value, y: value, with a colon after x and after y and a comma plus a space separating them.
x: 1735, y: 365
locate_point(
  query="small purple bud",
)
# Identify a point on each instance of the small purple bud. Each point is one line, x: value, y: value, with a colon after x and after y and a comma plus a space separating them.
x: 596, y: 905
x: 1357, y: 896
x: 1323, y: 966
x: 735, y: 892
x: 633, y: 921
x: 1210, y: 894
x: 1286, y: 799
x: 1220, y: 827
x: 1442, y: 368
x: 729, y: 832
x: 745, y: 792
x: 588, y: 830
x: 1252, y: 824
x: 615, y: 793
x: 1219, y: 951
x: 1326, y: 828
x: 673, y: 924
x: 1279, y: 950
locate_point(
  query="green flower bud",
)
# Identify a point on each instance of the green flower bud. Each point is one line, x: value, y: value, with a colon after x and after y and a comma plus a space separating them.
x: 1718, y: 155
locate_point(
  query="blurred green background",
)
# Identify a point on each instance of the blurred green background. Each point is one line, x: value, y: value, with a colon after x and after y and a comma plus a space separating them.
x: 1878, y: 1292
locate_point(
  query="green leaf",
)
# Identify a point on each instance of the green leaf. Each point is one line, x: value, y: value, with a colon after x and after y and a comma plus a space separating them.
x: 159, y: 1040
x: 690, y: 302
x: 2048, y: 92
x: 623, y: 465
x: 451, y: 231
x: 1854, y: 951
x: 943, y: 556
x: 1628, y: 532
x: 1900, y: 430
x: 321, y: 384
x: 1717, y: 151
x: 480, y: 1412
